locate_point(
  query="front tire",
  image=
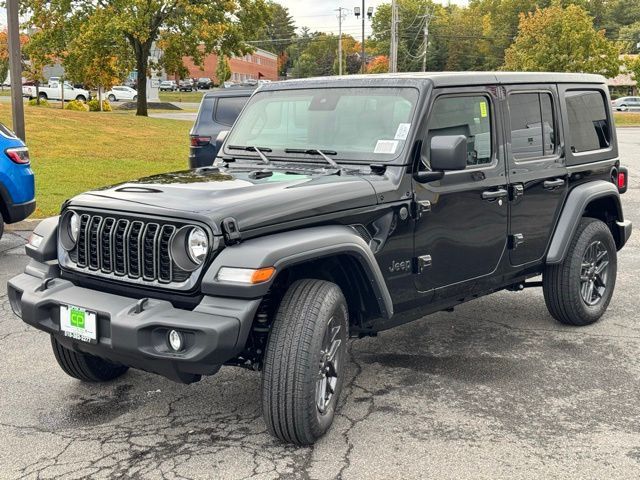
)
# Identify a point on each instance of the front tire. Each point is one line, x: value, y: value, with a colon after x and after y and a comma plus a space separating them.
x: 304, y: 363
x: 111, y: 98
x: 81, y: 98
x: 578, y: 290
x: 85, y: 367
x: 135, y: 98
x: 43, y: 96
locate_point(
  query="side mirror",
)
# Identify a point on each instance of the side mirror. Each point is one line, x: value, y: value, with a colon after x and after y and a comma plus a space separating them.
x: 447, y: 153
x: 220, y: 139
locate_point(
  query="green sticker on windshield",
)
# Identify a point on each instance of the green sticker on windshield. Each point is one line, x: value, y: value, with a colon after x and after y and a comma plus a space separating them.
x: 483, y: 109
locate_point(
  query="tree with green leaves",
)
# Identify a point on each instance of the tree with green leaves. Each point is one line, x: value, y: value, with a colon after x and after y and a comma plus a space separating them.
x: 557, y: 39
x: 632, y: 66
x: 277, y: 34
x: 223, y: 70
x: 98, y: 57
x: 630, y: 36
x: 212, y: 26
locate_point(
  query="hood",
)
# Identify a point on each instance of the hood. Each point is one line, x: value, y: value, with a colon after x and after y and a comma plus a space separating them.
x: 253, y: 197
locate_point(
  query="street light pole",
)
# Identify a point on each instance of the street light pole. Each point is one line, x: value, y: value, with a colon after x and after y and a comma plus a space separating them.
x: 15, y: 67
x: 340, y: 18
x: 364, y: 55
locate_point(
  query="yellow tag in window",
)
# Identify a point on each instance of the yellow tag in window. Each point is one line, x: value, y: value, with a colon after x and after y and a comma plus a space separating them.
x: 483, y: 109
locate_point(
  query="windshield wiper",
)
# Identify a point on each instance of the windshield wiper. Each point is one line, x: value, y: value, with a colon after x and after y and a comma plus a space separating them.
x: 316, y: 151
x: 252, y: 148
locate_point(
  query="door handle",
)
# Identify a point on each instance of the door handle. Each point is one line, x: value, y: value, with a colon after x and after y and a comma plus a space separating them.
x: 551, y: 184
x: 493, y: 194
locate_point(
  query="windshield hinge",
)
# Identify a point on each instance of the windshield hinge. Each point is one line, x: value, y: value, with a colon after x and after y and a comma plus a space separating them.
x: 231, y: 231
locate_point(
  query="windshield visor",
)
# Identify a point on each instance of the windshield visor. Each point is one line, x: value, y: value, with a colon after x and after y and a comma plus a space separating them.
x: 367, y: 124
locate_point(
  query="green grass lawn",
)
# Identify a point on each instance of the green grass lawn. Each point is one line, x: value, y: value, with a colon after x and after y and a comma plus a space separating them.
x: 627, y: 119
x: 182, y: 96
x: 75, y: 151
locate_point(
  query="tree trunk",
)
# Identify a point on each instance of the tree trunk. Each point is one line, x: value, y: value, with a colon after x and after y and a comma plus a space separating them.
x: 100, y: 97
x: 142, y: 55
x: 37, y: 93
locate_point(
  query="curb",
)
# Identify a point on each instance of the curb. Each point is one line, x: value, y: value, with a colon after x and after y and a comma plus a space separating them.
x: 23, y: 226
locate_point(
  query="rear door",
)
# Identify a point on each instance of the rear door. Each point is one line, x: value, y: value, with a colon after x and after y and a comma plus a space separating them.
x: 536, y: 167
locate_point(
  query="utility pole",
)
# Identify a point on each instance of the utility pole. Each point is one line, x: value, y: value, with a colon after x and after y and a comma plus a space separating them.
x: 15, y: 66
x: 427, y: 19
x: 393, y: 53
x: 341, y: 16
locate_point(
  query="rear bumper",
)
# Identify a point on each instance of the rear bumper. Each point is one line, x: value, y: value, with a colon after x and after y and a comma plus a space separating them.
x: 214, y: 332
x: 624, y: 232
x: 19, y: 211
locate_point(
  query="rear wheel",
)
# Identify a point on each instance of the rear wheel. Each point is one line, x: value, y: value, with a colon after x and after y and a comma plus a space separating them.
x: 42, y: 95
x: 578, y: 290
x: 85, y: 367
x: 623, y: 108
x: 81, y: 98
x: 135, y: 98
x: 304, y: 362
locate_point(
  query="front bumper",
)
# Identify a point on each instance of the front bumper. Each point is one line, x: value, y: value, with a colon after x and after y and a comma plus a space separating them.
x: 134, y: 333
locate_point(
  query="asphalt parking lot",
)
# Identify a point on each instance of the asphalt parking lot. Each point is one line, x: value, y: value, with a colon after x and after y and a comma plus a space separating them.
x: 495, y: 389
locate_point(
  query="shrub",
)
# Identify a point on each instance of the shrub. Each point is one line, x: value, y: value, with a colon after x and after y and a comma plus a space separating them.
x: 77, y: 105
x: 94, y: 105
x: 34, y: 102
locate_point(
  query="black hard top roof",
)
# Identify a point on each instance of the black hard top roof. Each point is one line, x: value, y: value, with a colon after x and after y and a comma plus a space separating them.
x: 231, y: 92
x: 437, y: 79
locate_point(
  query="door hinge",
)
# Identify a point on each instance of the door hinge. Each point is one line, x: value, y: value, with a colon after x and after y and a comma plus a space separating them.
x: 420, y: 207
x: 515, y: 240
x: 517, y: 191
x: 424, y: 261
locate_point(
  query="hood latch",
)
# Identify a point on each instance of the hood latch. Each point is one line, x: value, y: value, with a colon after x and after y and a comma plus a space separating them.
x: 231, y: 231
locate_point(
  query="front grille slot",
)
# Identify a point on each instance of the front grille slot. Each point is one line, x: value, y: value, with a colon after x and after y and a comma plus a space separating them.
x: 134, y: 250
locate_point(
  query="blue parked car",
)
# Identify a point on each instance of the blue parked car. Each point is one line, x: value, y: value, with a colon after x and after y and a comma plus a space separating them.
x: 17, y: 188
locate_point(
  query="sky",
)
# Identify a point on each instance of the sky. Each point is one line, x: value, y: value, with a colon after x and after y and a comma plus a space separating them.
x: 322, y: 15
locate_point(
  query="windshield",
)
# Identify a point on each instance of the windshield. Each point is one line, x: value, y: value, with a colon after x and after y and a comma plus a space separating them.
x: 357, y: 123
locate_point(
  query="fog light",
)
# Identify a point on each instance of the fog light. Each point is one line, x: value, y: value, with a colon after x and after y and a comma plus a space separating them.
x: 176, y: 341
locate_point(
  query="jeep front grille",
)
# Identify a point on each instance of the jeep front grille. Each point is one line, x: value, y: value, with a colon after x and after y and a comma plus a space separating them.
x: 127, y: 249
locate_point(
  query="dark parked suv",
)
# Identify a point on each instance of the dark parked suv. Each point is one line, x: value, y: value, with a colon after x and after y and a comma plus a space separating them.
x: 337, y: 208
x: 218, y: 110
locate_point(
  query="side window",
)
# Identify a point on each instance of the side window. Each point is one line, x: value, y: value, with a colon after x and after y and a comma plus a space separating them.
x: 465, y: 115
x: 228, y: 109
x: 589, y: 127
x: 532, y: 125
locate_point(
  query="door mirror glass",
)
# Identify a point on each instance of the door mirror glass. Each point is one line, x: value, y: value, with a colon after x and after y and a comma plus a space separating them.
x: 448, y: 153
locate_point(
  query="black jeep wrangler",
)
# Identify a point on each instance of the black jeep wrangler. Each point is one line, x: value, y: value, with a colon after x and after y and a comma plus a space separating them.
x: 336, y: 208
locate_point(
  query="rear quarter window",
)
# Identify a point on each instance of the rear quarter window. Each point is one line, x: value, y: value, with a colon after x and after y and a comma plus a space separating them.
x: 589, y: 124
x: 228, y: 109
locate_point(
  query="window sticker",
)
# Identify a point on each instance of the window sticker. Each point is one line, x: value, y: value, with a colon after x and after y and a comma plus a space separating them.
x: 386, y: 146
x: 483, y: 109
x: 403, y: 131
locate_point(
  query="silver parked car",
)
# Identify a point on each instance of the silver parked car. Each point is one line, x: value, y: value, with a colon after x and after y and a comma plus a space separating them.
x: 626, y: 103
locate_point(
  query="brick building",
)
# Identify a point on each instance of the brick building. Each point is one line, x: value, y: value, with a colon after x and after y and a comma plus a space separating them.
x: 259, y: 65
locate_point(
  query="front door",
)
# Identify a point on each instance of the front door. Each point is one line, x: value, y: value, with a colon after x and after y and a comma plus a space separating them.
x: 537, y: 169
x: 461, y: 234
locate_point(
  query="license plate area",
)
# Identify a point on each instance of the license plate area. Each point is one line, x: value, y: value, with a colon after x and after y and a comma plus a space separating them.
x: 78, y: 323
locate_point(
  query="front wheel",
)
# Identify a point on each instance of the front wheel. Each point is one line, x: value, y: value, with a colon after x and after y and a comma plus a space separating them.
x: 42, y: 95
x: 81, y: 98
x: 304, y: 364
x: 85, y: 367
x: 135, y: 98
x: 111, y: 98
x: 578, y: 290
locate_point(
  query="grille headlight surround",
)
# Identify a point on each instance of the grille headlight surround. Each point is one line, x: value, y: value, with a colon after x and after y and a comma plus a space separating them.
x: 69, y: 229
x: 190, y: 247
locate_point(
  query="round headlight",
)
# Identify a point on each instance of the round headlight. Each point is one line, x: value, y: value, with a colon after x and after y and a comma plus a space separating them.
x: 197, y: 245
x: 74, y: 226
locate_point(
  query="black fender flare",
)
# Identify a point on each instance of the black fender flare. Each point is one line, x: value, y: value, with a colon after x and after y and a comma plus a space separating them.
x: 574, y: 207
x: 282, y: 250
